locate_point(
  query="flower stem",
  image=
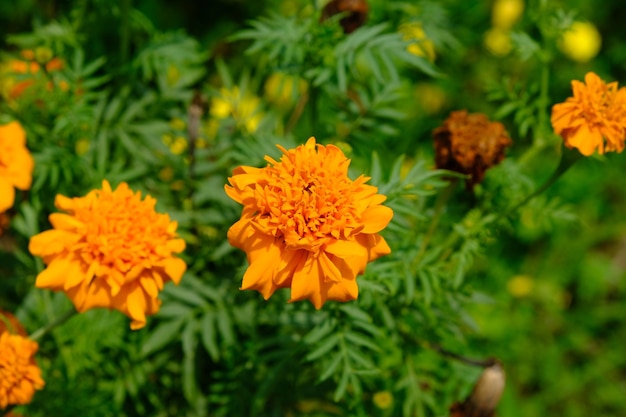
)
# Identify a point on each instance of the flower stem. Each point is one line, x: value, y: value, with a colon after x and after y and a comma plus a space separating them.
x: 442, y: 199
x: 568, y: 159
x: 39, y: 333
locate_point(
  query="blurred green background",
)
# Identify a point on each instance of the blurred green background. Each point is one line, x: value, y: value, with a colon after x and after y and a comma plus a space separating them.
x: 551, y: 293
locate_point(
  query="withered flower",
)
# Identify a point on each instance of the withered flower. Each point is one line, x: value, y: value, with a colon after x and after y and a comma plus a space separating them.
x: 356, y: 13
x: 470, y: 144
x: 485, y: 396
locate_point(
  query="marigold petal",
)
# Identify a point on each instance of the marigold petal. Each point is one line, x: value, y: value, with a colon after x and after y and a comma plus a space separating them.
x: 65, y: 222
x: 51, y: 242
x: 345, y: 248
x: 585, y: 140
x: 174, y: 268
x: 260, y: 274
x: 346, y: 290
x: 376, y: 246
x: 58, y: 272
x: 7, y: 194
x: 331, y: 272
x: 290, y: 261
x: 308, y: 284
x: 239, y: 233
x: 136, y: 307
x: 149, y: 286
x: 176, y: 245
x: 376, y: 219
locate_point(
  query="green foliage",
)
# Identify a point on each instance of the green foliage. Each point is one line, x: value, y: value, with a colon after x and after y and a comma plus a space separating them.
x: 173, y: 115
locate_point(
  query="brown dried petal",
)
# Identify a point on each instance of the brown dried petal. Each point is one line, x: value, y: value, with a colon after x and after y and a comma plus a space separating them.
x: 357, y: 13
x: 470, y: 144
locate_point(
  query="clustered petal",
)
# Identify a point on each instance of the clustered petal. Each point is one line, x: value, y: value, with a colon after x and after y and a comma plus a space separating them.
x: 470, y: 144
x: 306, y: 225
x: 16, y: 163
x: 19, y: 374
x: 110, y: 250
x: 594, y: 118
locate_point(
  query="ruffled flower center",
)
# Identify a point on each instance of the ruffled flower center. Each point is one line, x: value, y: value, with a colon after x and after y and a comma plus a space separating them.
x: 121, y: 232
x: 308, y: 199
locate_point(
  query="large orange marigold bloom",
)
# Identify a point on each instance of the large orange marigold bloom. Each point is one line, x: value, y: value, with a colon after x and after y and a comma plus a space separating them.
x: 19, y: 374
x: 595, y: 118
x: 16, y: 163
x: 306, y: 225
x: 110, y: 250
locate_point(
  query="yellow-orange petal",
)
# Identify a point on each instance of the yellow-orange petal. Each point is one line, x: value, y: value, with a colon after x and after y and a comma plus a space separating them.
x: 290, y: 261
x: 307, y: 284
x: 175, y: 268
x: 260, y: 274
x: 51, y: 242
x: 345, y: 248
x: 65, y: 222
x: 7, y: 194
x: 376, y: 219
x: 136, y: 306
x: 346, y: 290
x: 176, y: 245
x: 585, y: 140
x: 57, y: 272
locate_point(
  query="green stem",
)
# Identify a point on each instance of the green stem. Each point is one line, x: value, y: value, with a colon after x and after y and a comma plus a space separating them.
x: 39, y: 333
x: 568, y: 159
x: 442, y: 199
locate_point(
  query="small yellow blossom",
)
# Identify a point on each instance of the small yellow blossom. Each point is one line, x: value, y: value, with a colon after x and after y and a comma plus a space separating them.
x: 420, y: 44
x: 498, y: 41
x: 82, y: 146
x: 178, y: 146
x: 243, y: 108
x: 178, y: 124
x: 431, y: 97
x: 506, y: 13
x: 520, y: 285
x: 582, y: 42
x: 383, y: 399
x: 281, y: 89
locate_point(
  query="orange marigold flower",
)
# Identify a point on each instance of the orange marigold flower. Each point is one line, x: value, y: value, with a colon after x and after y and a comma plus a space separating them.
x: 16, y: 163
x: 306, y: 225
x: 470, y: 144
x: 111, y: 250
x: 595, y: 118
x: 19, y: 374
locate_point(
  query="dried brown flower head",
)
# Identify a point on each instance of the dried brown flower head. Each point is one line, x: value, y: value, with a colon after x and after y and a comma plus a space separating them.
x: 357, y: 13
x: 470, y: 144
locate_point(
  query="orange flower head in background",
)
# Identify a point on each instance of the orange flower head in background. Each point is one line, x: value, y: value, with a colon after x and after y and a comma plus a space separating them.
x: 19, y: 74
x: 356, y: 11
x: 110, y: 250
x: 594, y: 119
x: 19, y: 374
x: 16, y: 163
x: 470, y: 144
x: 305, y: 225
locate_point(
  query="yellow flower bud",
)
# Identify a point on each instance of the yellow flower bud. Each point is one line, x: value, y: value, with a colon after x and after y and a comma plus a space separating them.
x: 581, y: 42
x: 506, y: 12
